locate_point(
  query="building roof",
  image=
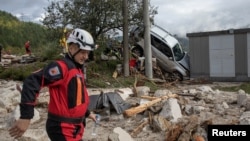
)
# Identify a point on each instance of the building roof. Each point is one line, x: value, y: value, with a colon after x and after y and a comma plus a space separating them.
x: 229, y: 31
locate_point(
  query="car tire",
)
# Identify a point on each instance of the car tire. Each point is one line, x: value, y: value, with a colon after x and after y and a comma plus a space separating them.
x: 174, y: 76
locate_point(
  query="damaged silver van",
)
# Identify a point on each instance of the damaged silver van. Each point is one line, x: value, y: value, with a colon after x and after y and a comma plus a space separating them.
x: 171, y: 58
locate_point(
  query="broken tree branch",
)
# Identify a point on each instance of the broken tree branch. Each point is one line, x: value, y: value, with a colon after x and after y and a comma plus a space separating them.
x: 173, y: 133
x: 139, y: 128
x: 149, y: 97
x: 134, y: 87
x: 132, y: 111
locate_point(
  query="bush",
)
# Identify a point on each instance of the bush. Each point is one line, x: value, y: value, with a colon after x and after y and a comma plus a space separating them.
x: 51, y: 51
x: 20, y: 71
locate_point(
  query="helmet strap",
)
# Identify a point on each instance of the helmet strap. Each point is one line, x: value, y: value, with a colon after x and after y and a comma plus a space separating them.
x: 73, y: 55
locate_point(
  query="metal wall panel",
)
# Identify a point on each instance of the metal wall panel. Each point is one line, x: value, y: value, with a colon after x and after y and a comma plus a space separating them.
x: 221, y: 56
x: 240, y: 41
x: 248, y: 54
x: 199, y: 60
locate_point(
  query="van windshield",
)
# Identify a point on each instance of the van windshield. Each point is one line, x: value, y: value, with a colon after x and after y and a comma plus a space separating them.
x: 178, y: 52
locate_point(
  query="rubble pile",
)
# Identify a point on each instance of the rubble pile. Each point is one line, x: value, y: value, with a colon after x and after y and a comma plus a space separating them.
x: 178, y: 113
x: 7, y: 60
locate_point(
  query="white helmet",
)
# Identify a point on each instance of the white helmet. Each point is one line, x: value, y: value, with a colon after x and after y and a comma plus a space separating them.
x: 81, y: 37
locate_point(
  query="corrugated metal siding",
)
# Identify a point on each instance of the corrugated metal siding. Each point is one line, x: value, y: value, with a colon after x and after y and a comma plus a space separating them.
x: 241, y: 56
x: 221, y: 53
x: 248, y: 53
x: 199, y: 56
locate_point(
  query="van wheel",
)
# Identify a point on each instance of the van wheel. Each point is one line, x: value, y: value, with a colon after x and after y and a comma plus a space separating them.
x: 175, y: 76
x: 137, y: 51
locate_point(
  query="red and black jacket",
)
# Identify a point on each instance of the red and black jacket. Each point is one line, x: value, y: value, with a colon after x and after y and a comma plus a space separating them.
x: 68, y: 93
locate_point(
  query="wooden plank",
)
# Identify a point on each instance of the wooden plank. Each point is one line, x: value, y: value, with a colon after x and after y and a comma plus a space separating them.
x: 132, y: 111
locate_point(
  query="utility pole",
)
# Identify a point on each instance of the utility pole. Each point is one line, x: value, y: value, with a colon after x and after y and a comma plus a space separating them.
x: 147, y: 40
x: 125, y: 39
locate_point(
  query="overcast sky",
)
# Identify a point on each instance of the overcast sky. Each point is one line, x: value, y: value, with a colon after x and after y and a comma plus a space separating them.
x: 176, y: 16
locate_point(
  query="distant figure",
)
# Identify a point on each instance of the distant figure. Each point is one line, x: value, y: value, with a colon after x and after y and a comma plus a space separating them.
x: 1, y: 47
x: 27, y: 47
x: 133, y: 64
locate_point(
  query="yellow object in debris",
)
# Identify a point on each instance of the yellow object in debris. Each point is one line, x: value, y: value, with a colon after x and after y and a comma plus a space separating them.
x: 63, y: 41
x: 115, y: 74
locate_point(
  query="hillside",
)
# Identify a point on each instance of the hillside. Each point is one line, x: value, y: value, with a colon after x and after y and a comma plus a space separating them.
x: 14, y: 33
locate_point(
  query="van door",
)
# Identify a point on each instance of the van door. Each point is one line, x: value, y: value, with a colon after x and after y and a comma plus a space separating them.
x: 163, y: 53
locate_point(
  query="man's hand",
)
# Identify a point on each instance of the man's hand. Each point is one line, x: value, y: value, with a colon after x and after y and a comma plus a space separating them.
x: 92, y: 116
x: 19, y: 128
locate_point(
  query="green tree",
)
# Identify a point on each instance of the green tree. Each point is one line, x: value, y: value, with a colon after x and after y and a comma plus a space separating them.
x: 96, y: 16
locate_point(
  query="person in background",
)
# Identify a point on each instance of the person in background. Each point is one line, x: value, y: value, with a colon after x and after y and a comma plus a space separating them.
x: 69, y: 100
x: 27, y: 47
x: 133, y: 64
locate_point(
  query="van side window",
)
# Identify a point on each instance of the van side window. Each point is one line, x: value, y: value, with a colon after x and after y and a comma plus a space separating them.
x: 178, y: 53
x: 161, y: 46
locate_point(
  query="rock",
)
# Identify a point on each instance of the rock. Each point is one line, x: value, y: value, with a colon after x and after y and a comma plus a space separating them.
x: 171, y: 110
x: 122, y: 134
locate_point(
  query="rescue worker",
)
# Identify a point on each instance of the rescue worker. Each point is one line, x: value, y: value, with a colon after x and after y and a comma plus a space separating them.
x: 69, y: 100
x: 27, y: 47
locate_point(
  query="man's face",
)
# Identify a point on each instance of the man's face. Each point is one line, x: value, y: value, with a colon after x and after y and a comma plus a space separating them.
x: 81, y: 56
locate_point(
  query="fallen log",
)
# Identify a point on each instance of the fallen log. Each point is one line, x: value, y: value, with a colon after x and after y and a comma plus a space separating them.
x: 132, y: 111
x: 149, y: 97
